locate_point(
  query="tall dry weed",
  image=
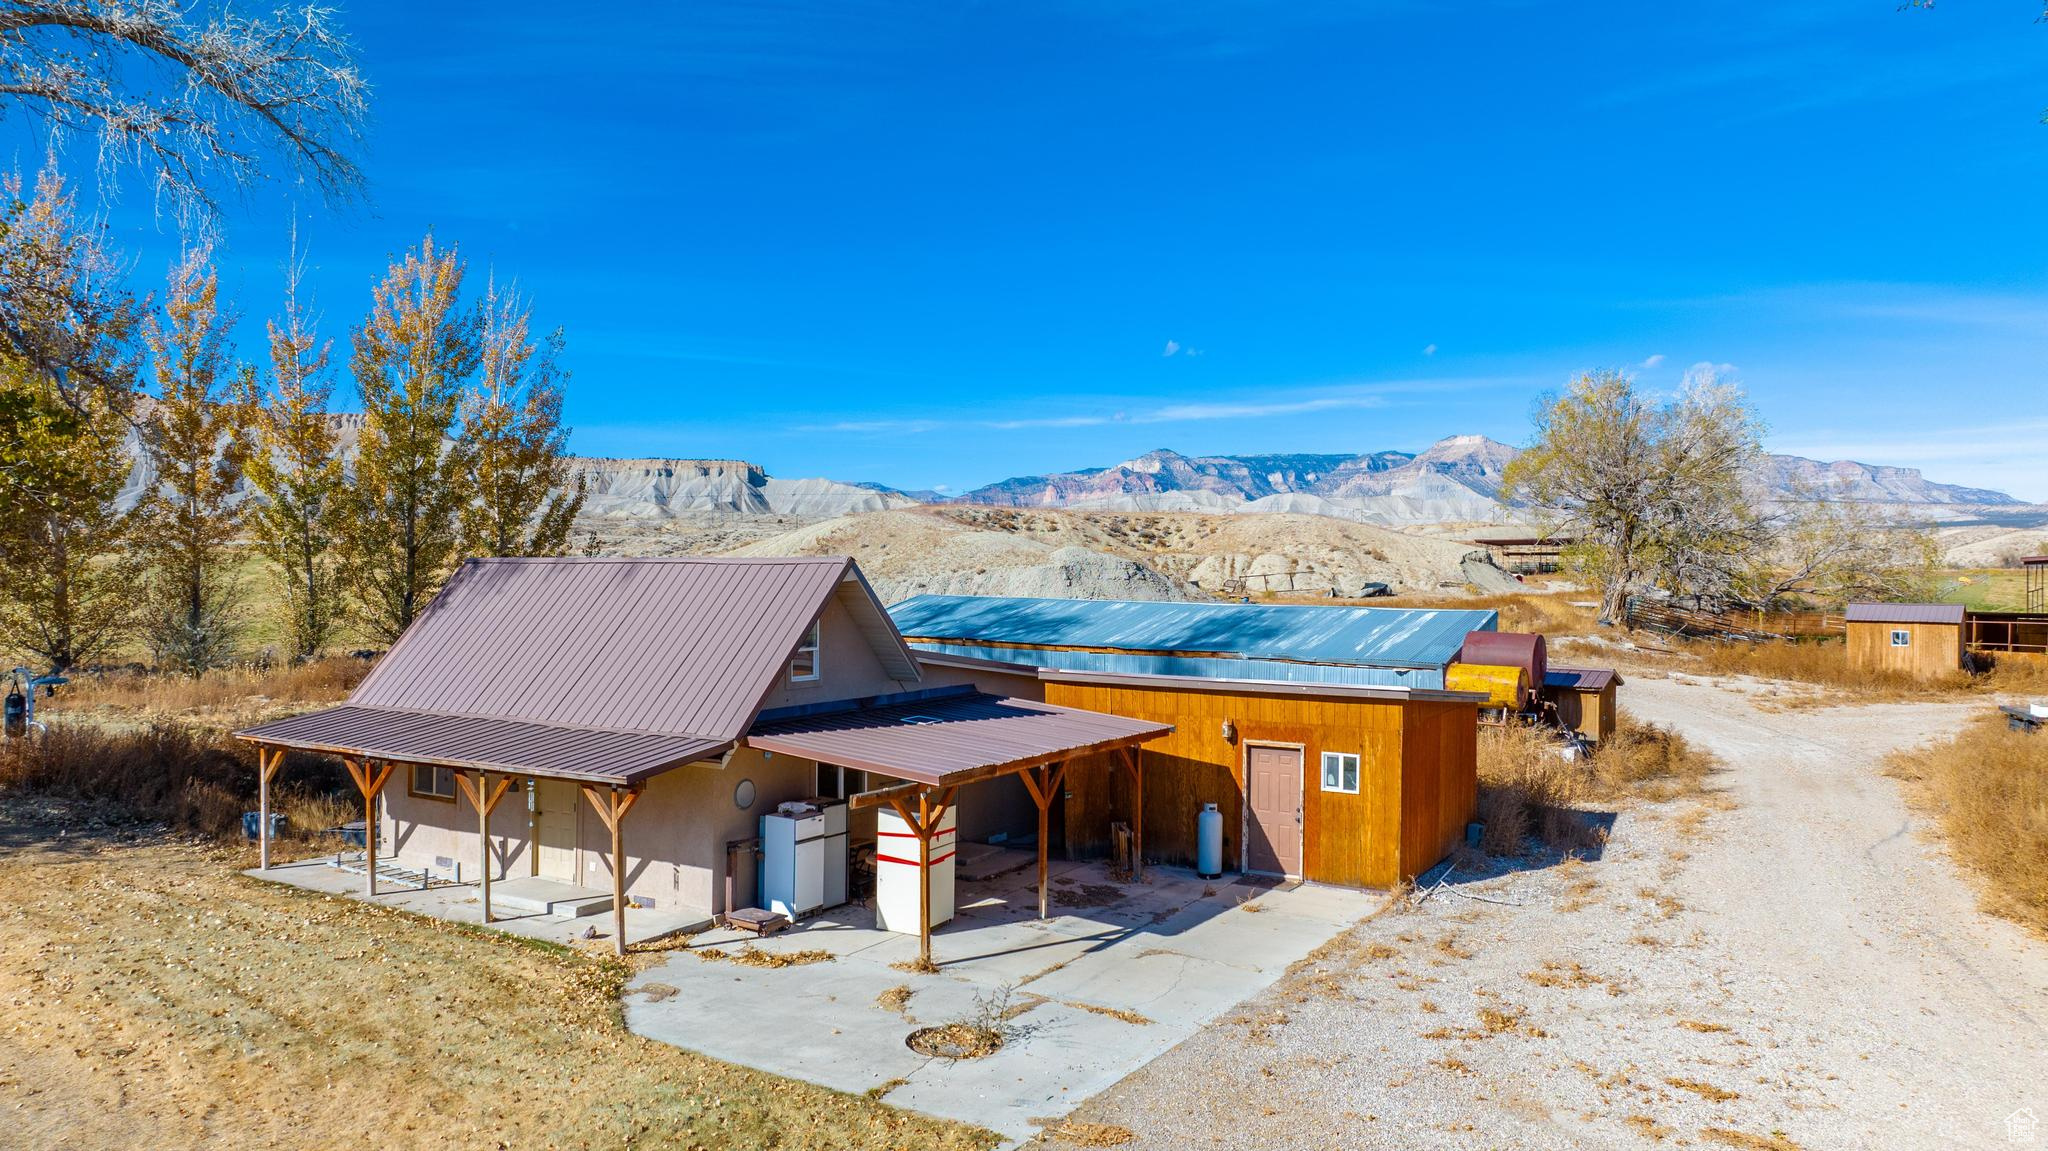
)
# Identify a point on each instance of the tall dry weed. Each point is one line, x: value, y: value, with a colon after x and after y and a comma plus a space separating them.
x: 1988, y: 790
x: 189, y: 778
x: 227, y: 692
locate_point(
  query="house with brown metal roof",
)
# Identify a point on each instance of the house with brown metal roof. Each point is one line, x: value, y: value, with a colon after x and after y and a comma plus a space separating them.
x: 649, y: 712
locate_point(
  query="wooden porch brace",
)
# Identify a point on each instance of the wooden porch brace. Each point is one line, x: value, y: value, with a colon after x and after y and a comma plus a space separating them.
x: 370, y: 787
x: 485, y: 799
x: 1132, y: 764
x: 612, y: 807
x: 931, y: 811
x: 267, y: 762
x: 1043, y: 782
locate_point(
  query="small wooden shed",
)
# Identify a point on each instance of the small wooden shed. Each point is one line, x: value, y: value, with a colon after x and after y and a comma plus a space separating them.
x: 1584, y: 698
x: 1924, y: 640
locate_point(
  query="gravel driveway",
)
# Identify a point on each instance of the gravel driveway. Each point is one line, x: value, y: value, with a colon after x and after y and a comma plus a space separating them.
x: 1788, y: 964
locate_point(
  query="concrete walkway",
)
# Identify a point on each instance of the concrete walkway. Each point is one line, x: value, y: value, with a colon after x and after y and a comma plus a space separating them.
x: 516, y: 904
x: 1119, y: 975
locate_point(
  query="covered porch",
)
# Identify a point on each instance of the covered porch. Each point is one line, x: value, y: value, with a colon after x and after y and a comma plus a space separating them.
x: 939, y: 741
x: 486, y: 757
x: 519, y: 906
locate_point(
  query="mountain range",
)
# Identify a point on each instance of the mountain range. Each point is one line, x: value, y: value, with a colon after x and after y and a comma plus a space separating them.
x: 1455, y: 480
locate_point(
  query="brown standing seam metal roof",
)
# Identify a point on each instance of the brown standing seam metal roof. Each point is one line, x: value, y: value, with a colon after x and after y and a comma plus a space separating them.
x: 1905, y: 613
x: 528, y: 664
x: 951, y: 739
x: 488, y: 744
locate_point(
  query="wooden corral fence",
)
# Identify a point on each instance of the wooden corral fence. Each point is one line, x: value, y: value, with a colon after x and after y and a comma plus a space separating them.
x: 1732, y: 624
x: 2002, y: 632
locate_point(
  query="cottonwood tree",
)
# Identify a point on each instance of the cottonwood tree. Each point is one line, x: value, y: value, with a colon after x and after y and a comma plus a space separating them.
x: 523, y: 500
x: 67, y: 580
x: 1833, y: 551
x: 296, y: 469
x: 411, y: 358
x: 64, y: 309
x: 1654, y: 492
x: 194, y: 97
x: 193, y: 438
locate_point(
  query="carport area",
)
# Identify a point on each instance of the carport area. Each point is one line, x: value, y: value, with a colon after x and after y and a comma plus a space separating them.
x: 1116, y: 975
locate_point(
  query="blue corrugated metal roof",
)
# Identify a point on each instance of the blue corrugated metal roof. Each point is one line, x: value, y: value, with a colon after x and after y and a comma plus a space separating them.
x: 1201, y: 667
x: 1305, y: 633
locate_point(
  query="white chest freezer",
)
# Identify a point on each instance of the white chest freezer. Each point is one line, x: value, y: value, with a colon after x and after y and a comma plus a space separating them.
x: 897, y: 872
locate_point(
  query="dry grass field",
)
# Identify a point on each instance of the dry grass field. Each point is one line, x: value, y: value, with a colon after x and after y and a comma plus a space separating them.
x: 156, y: 998
x: 1988, y: 789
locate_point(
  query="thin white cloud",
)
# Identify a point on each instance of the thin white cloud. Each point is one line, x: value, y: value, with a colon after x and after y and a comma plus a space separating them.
x: 1047, y: 422
x: 1183, y: 413
x: 1708, y: 372
x: 1430, y: 350
x: 1172, y: 346
x: 1654, y: 361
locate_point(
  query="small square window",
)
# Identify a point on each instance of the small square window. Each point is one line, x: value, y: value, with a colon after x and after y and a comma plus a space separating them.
x: 433, y: 782
x: 1902, y: 638
x: 1340, y: 772
x: 803, y: 663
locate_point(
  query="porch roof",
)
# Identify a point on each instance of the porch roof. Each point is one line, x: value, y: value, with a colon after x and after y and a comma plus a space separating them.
x: 948, y: 737
x: 486, y: 743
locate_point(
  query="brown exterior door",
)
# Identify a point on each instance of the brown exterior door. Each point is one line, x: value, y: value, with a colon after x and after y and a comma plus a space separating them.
x: 1272, y: 841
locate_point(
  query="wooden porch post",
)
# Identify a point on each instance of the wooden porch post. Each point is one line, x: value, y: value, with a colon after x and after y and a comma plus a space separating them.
x: 485, y: 798
x: 924, y: 825
x: 267, y: 763
x: 1135, y: 766
x: 1043, y: 783
x: 370, y: 787
x: 612, y: 807
x: 924, y: 878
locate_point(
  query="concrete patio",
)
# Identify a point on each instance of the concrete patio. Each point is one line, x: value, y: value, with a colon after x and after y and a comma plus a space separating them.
x: 532, y: 908
x: 1119, y: 974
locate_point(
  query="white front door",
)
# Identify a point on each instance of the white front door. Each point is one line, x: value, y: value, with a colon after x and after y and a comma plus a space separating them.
x: 558, y: 817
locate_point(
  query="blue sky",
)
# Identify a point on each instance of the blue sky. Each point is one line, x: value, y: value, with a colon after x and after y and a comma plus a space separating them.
x: 938, y: 245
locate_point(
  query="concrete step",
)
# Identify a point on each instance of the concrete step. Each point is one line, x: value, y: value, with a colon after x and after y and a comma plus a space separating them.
x: 549, y: 897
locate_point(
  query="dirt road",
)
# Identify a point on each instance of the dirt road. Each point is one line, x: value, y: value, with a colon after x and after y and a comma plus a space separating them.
x: 1792, y: 964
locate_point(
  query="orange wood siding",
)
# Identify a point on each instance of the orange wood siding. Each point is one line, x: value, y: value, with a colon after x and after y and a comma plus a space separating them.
x: 1416, y: 783
x: 1936, y: 649
x: 1590, y: 713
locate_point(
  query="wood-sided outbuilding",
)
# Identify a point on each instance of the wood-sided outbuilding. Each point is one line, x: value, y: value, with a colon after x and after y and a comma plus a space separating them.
x: 1323, y: 735
x: 1924, y: 640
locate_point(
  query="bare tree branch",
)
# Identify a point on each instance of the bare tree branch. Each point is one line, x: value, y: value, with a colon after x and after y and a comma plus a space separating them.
x: 243, y: 88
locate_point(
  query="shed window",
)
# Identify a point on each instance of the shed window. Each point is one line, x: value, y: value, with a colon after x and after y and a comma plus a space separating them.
x: 1340, y: 772
x: 803, y: 665
x: 1901, y: 637
x: 433, y: 782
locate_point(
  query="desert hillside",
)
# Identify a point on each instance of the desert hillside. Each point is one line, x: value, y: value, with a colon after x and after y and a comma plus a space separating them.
x: 1118, y: 555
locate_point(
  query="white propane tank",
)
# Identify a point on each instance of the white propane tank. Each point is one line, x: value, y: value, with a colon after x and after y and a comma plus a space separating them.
x: 1209, y: 842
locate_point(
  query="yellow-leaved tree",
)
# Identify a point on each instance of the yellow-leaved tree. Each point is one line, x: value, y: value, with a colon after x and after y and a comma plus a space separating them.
x: 192, y: 435
x: 67, y: 579
x: 523, y: 499
x: 412, y: 359
x: 295, y: 468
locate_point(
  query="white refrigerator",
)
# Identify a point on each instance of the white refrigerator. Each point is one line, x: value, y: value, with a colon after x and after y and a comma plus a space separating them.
x: 793, y: 862
x: 803, y: 858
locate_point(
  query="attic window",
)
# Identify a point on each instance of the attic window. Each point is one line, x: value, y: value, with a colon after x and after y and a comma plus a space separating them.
x: 803, y: 663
